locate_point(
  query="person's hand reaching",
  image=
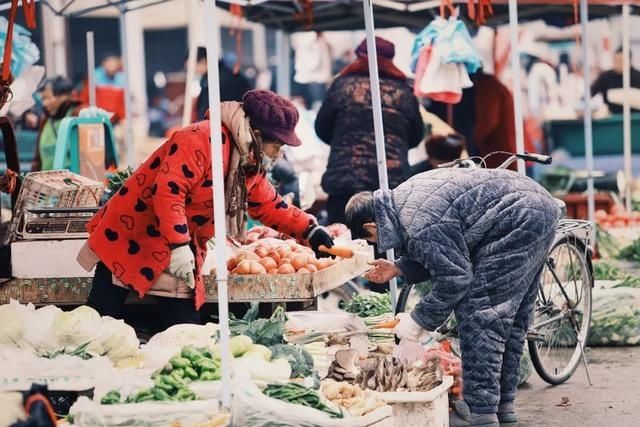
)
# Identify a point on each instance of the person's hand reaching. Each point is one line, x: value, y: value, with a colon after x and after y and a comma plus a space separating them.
x: 317, y: 237
x: 382, y: 271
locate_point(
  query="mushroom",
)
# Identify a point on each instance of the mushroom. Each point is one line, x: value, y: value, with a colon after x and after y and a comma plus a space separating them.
x: 347, y: 360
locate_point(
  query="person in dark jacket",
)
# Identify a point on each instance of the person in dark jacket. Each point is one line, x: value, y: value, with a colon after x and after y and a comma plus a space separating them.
x: 440, y: 149
x: 345, y: 122
x: 233, y: 85
x: 456, y: 227
x: 612, y: 79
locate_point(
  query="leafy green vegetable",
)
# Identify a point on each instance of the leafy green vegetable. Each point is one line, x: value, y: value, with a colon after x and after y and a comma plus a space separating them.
x: 300, y: 359
x: 603, y: 270
x: 266, y: 331
x: 300, y: 395
x: 631, y: 252
x: 116, y: 181
x: 629, y: 282
x: 369, y: 305
x: 239, y: 345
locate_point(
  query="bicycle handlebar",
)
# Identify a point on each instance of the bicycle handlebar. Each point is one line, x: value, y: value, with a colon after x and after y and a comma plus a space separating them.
x: 533, y: 157
x: 530, y: 157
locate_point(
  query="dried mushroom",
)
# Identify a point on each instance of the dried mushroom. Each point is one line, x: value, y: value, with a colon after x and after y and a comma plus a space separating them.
x: 391, y: 374
x: 344, y: 367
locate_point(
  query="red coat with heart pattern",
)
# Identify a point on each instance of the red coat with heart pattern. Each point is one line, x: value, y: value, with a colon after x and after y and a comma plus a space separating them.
x: 168, y: 201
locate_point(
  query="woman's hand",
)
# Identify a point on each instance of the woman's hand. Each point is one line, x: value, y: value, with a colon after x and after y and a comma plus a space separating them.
x: 382, y: 271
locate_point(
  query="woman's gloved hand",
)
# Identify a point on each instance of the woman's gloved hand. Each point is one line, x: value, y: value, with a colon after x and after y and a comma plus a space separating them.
x: 182, y: 264
x: 318, y: 236
x: 408, y: 329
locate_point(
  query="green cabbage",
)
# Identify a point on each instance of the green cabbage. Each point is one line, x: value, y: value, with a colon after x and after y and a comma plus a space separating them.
x: 239, y: 345
x: 77, y: 327
x: 12, y: 317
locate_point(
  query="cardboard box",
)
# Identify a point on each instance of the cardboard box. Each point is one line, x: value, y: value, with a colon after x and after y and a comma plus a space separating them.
x: 43, y: 259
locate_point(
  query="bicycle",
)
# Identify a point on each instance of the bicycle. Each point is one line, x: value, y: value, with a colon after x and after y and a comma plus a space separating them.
x: 562, y: 312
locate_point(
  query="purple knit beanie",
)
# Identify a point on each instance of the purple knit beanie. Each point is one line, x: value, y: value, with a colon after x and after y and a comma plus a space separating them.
x: 273, y: 115
x: 384, y: 47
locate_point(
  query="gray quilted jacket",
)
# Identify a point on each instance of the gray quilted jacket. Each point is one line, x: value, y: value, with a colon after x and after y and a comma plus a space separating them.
x: 458, y: 226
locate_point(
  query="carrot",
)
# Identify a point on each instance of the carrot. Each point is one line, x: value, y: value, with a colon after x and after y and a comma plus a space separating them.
x: 338, y: 251
x: 388, y: 324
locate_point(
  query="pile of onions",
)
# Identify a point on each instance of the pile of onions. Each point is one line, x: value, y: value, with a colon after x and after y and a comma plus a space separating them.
x: 287, y: 257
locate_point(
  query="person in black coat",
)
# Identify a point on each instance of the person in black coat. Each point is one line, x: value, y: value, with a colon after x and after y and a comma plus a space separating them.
x: 345, y: 122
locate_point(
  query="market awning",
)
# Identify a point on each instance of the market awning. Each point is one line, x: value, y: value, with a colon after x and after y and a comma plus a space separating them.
x: 340, y: 15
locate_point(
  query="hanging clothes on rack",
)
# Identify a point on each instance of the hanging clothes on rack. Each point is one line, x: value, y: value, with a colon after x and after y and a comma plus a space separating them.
x: 6, y: 78
x: 443, y: 56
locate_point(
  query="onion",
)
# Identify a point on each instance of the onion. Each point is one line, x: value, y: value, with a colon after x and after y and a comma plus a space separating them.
x: 286, y: 269
x: 268, y: 263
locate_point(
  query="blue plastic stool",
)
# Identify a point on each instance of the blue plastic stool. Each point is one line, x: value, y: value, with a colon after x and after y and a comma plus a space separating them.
x: 67, y: 143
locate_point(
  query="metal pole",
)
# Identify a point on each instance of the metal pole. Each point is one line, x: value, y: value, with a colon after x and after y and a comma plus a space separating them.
x: 517, y: 84
x: 378, y: 125
x: 127, y: 87
x: 588, y: 135
x: 283, y: 67
x: 212, y: 33
x: 626, y: 84
x: 91, y: 68
x: 187, y: 109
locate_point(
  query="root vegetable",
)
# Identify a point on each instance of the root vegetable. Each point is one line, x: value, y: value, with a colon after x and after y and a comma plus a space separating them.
x: 312, y: 268
x: 303, y: 271
x: 299, y: 261
x: 268, y: 263
x: 273, y: 271
x: 257, y: 268
x: 286, y: 269
x: 261, y: 252
x: 274, y: 255
x: 231, y: 264
x: 244, y: 267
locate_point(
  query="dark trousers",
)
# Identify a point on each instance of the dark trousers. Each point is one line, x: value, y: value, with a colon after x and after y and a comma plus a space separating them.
x: 108, y: 300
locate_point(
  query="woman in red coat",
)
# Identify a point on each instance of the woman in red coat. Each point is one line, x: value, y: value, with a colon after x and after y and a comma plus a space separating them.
x: 162, y: 217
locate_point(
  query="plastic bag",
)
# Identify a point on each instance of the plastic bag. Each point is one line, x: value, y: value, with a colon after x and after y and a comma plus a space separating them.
x: 615, y: 318
x: 24, y: 52
x: 39, y: 332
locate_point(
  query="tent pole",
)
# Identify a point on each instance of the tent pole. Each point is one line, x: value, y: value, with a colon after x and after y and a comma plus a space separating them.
x: 283, y: 67
x: 378, y: 125
x: 626, y: 84
x: 517, y: 84
x: 588, y: 135
x: 187, y: 109
x: 127, y: 87
x: 91, y: 68
x: 212, y: 33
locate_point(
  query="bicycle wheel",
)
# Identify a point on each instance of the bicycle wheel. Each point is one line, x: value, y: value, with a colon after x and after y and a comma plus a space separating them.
x: 410, y: 295
x: 562, y: 313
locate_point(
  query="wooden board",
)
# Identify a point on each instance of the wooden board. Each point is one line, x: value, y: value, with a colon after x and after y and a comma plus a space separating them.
x: 75, y: 290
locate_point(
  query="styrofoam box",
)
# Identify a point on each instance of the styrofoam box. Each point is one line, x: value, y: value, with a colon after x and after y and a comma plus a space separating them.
x: 425, y: 409
x: 45, y: 259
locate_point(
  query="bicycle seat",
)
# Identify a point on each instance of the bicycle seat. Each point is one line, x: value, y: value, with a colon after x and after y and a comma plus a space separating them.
x: 562, y: 205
